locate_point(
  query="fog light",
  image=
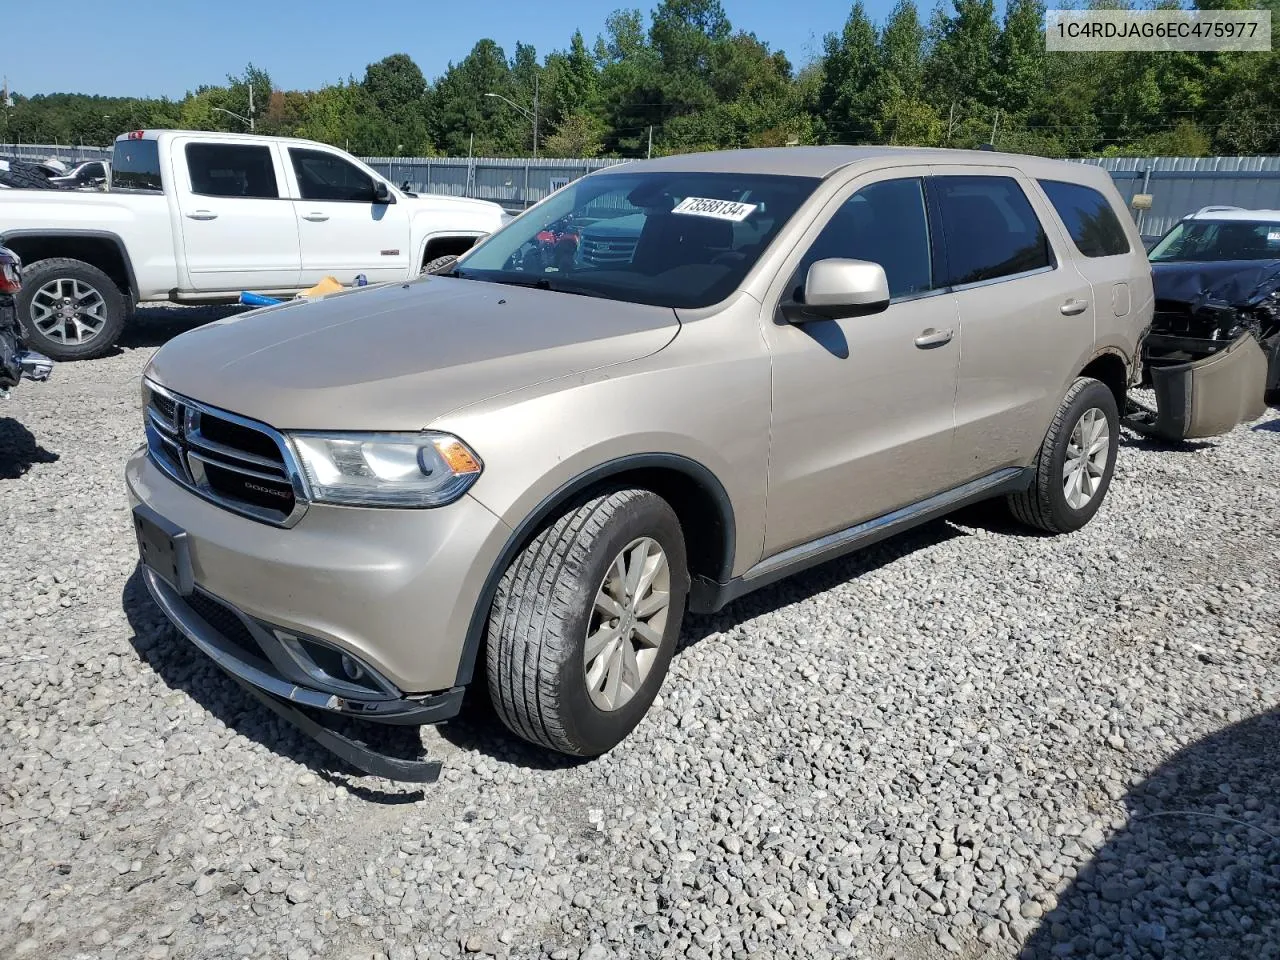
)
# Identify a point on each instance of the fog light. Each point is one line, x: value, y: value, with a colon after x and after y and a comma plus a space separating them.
x: 352, y: 669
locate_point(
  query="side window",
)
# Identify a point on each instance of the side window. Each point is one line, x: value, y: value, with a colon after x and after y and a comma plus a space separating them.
x: 324, y: 176
x: 885, y: 223
x: 135, y: 165
x: 990, y: 228
x: 232, y: 170
x: 1089, y: 218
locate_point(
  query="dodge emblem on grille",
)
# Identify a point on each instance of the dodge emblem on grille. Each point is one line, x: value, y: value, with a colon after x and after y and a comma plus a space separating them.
x: 259, y: 488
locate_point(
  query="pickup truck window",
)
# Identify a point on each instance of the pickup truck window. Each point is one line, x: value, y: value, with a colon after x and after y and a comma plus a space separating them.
x: 323, y: 176
x: 232, y: 170
x: 990, y: 228
x: 884, y: 223
x: 135, y: 165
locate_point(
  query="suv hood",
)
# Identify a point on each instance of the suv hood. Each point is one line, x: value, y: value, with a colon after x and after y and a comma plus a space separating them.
x: 398, y: 357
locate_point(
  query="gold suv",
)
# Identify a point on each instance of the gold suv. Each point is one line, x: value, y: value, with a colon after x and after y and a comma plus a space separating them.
x: 522, y: 473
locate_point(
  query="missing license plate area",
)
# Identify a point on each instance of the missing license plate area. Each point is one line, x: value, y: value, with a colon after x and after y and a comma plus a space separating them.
x: 163, y: 547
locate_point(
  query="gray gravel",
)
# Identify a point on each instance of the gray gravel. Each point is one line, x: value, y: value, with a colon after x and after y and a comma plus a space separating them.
x: 965, y: 742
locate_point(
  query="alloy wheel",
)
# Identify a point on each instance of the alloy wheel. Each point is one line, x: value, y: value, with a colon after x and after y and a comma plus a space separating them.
x: 68, y: 311
x: 627, y: 623
x: 1088, y: 451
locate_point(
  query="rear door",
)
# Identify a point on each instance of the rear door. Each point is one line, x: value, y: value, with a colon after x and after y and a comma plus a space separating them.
x: 238, y: 231
x: 1027, y: 313
x: 344, y: 231
x: 1108, y: 260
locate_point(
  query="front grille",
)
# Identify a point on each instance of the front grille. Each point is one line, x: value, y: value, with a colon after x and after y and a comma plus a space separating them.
x: 607, y: 251
x: 227, y: 623
x: 237, y: 463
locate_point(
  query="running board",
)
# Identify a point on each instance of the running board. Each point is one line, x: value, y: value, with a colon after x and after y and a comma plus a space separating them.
x: 708, y: 596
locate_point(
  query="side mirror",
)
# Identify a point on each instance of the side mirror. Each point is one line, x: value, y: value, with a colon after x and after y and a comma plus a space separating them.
x: 841, y: 288
x: 382, y: 193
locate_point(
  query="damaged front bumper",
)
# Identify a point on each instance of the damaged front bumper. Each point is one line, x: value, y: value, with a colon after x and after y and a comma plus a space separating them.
x: 1212, y: 353
x: 1205, y: 397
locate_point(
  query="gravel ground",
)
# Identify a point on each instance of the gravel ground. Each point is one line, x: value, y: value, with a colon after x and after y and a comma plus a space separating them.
x: 967, y: 741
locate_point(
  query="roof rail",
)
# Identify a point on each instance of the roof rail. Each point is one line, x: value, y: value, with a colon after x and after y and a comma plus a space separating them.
x: 1215, y: 209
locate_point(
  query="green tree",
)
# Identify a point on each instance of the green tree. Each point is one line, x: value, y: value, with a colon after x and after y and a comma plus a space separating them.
x: 851, y: 68
x: 577, y: 135
x: 460, y: 108
x: 902, y: 52
x: 1020, y: 55
x: 962, y: 65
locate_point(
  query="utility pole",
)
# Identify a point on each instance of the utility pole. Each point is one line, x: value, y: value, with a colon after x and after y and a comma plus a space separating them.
x: 995, y: 124
x: 535, y: 116
x: 951, y: 122
x: 471, y: 146
x: 251, y: 103
x: 650, y: 154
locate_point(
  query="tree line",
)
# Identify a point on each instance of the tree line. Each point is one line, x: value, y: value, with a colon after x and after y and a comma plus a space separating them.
x: 683, y: 79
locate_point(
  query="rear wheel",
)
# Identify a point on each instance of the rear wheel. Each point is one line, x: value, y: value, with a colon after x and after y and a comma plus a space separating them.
x: 70, y: 310
x: 1076, y: 461
x: 585, y: 621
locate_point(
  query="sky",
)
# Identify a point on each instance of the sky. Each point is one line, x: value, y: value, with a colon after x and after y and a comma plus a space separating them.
x: 151, y: 48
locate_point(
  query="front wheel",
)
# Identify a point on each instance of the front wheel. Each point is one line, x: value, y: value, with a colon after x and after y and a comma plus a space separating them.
x: 1076, y: 461
x: 584, y: 623
x: 69, y: 310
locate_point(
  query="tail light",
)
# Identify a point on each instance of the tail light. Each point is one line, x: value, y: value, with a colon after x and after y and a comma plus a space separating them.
x: 10, y: 271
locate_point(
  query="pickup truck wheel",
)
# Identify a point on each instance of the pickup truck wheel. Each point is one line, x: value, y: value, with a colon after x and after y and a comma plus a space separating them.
x: 70, y: 310
x: 1076, y: 461
x: 585, y: 621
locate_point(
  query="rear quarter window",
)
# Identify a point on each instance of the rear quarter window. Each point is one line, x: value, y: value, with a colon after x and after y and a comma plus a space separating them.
x: 1089, y: 218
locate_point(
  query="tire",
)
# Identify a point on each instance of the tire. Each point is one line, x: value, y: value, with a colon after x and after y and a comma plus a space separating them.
x: 547, y: 602
x: 24, y: 177
x: 1045, y: 504
x: 74, y: 278
x: 439, y: 264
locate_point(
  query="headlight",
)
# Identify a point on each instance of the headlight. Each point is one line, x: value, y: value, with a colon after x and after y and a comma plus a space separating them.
x: 385, y: 469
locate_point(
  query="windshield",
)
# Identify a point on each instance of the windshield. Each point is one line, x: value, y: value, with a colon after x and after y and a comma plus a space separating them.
x: 669, y: 239
x: 1219, y: 240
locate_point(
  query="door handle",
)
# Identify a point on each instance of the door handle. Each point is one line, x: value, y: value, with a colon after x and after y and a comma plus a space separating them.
x: 202, y: 215
x: 316, y: 217
x: 933, y: 338
x: 1073, y: 307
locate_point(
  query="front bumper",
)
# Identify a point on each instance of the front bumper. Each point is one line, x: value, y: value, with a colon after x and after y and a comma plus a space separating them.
x: 1202, y: 397
x: 394, y: 589
x: 243, y: 648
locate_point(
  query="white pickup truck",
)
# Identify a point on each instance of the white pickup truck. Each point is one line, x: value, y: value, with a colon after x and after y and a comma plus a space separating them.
x: 199, y: 217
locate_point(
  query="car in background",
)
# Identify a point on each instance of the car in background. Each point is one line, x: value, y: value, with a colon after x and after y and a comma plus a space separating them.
x: 1217, y: 277
x: 92, y: 174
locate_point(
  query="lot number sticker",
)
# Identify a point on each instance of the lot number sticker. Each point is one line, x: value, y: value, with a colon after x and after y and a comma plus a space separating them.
x: 718, y: 209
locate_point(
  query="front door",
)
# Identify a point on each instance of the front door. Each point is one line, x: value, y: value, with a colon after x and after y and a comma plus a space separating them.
x: 344, y: 231
x: 237, y: 231
x: 863, y: 407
